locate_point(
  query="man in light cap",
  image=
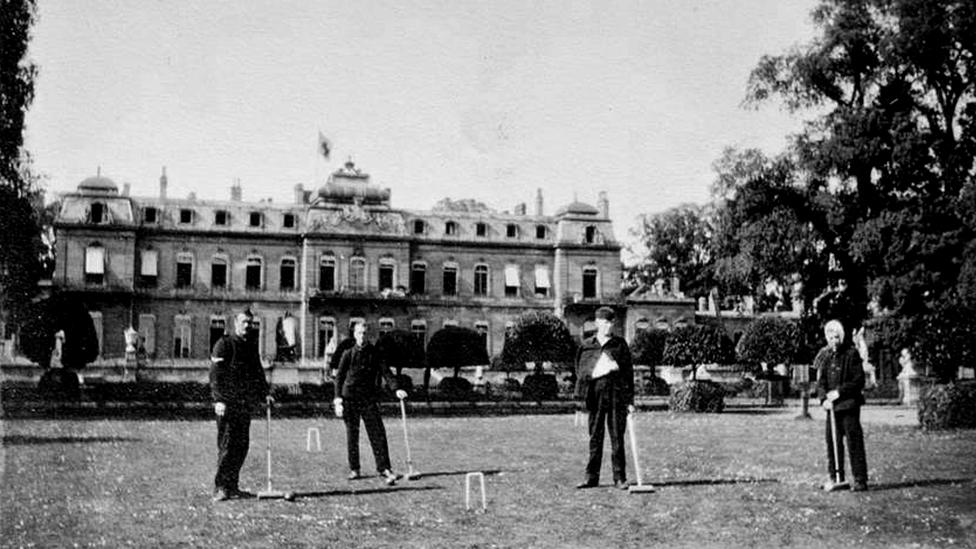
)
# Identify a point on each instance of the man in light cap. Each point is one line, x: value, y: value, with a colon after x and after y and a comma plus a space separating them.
x: 605, y: 384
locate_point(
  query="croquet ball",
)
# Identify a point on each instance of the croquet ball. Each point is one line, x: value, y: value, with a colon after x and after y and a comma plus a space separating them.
x: 289, y: 496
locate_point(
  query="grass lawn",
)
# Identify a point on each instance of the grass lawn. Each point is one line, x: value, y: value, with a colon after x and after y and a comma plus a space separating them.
x: 727, y: 480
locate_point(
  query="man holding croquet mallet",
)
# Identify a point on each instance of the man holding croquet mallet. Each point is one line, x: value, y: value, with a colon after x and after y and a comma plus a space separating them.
x: 840, y: 379
x: 358, y: 390
x: 237, y: 384
x: 605, y: 384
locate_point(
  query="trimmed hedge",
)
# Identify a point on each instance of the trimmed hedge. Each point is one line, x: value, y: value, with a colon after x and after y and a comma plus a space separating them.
x: 540, y: 387
x: 951, y: 406
x: 455, y: 388
x: 697, y: 396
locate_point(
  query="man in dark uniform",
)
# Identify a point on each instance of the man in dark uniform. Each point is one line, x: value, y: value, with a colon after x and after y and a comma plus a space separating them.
x: 358, y: 390
x: 605, y: 383
x: 840, y: 379
x: 237, y: 384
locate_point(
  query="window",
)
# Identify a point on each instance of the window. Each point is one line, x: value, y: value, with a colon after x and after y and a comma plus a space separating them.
x: 481, y: 327
x: 511, y: 230
x: 147, y: 333
x: 419, y: 330
x: 449, y: 322
x: 288, y: 221
x: 450, y: 228
x: 150, y: 215
x: 418, y: 226
x: 511, y: 281
x: 218, y: 271
x: 181, y: 336
x: 184, y: 270
x: 95, y: 264
x: 642, y: 324
x: 418, y: 278
x: 326, y: 333
x: 589, y: 282
x: 287, y: 273
x: 450, y: 279
x: 386, y: 274
x: 96, y: 213
x: 481, y: 229
x: 357, y: 274
x: 481, y: 280
x: 218, y: 325
x: 541, y: 281
x: 257, y: 328
x: 96, y: 317
x: 541, y: 231
x: 186, y: 216
x: 252, y: 273
x: 589, y: 234
x: 149, y: 267
x: 221, y: 217
x: 255, y: 219
x: 386, y: 325
x: 327, y: 272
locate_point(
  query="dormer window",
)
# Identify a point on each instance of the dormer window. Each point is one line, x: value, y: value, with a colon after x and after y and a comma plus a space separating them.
x: 255, y: 219
x: 221, y: 217
x: 186, y: 216
x: 540, y: 231
x: 511, y: 230
x: 288, y: 221
x: 481, y: 229
x: 96, y: 213
x: 150, y: 215
x: 418, y: 226
x: 450, y: 228
x: 589, y: 235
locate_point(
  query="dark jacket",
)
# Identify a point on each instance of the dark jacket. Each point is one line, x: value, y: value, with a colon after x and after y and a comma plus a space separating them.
x: 236, y: 375
x: 586, y: 358
x: 361, y: 374
x: 840, y: 370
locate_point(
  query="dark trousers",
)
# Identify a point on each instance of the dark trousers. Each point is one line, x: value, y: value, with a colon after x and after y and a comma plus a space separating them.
x: 606, y: 412
x: 233, y: 439
x: 849, y: 427
x: 369, y: 411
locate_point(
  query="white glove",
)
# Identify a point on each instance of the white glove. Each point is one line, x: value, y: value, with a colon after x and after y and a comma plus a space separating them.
x: 220, y: 408
x: 337, y: 406
x: 833, y: 395
x: 827, y: 404
x: 401, y: 394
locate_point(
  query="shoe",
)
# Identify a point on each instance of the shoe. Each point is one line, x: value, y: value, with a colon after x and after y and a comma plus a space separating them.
x: 354, y: 475
x: 220, y: 495
x: 239, y: 494
x: 390, y: 477
x: 589, y: 483
x: 621, y: 485
x: 859, y: 487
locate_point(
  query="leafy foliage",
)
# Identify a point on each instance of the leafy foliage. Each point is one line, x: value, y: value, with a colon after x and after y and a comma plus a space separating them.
x: 538, y: 337
x: 676, y: 242
x: 454, y: 347
x: 455, y: 388
x: 951, y: 406
x: 945, y: 339
x: 647, y: 346
x: 701, y: 396
x: 60, y: 313
x: 769, y: 340
x: 697, y: 344
x: 400, y: 349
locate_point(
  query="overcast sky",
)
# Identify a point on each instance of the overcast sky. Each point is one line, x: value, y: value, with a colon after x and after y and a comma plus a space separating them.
x: 485, y: 100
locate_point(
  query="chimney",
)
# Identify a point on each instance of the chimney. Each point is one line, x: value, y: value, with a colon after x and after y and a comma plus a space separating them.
x: 163, y: 183
x: 125, y: 189
x: 538, y: 202
x: 299, y: 193
x: 603, y: 204
x: 520, y: 208
x: 235, y: 191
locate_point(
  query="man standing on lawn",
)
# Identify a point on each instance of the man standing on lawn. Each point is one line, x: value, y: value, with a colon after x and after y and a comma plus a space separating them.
x: 358, y: 390
x: 605, y: 383
x: 840, y: 379
x: 237, y: 384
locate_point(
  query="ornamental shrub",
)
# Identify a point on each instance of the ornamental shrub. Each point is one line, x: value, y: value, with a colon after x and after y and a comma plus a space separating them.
x: 950, y: 406
x: 697, y: 344
x: 455, y: 388
x: 770, y: 341
x: 697, y: 396
x: 647, y: 347
x: 539, y: 387
x: 945, y: 340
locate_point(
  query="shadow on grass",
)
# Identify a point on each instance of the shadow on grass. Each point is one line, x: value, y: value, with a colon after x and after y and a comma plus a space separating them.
x: 23, y: 440
x: 920, y: 483
x: 369, y: 491
x: 486, y: 472
x: 714, y: 481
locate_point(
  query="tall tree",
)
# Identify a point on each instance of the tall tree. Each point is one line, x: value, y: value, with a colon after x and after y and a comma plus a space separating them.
x: 20, y: 243
x: 676, y: 242
x: 883, y: 170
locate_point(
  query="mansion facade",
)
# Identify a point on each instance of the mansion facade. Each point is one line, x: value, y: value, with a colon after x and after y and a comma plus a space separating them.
x: 177, y: 270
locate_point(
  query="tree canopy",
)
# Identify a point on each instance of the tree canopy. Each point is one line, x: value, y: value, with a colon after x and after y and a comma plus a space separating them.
x: 538, y: 337
x: 769, y: 340
x: 401, y: 349
x: 455, y: 347
x: 60, y: 313
x: 676, y: 242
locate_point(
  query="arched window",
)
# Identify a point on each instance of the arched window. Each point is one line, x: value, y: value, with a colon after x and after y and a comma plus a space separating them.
x: 589, y: 282
x: 418, y: 328
x: 148, y: 267
x: 450, y: 286
x: 184, y: 270
x: 418, y: 277
x: 286, y: 275
x: 387, y: 273
x: 327, y: 272
x: 481, y: 280
x: 253, y: 273
x: 512, y: 280
x: 218, y: 271
x: 542, y: 281
x: 326, y: 334
x: 357, y: 274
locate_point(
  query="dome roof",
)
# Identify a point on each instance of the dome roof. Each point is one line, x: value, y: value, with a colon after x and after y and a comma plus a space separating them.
x: 350, y: 185
x: 98, y: 184
x: 577, y: 207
